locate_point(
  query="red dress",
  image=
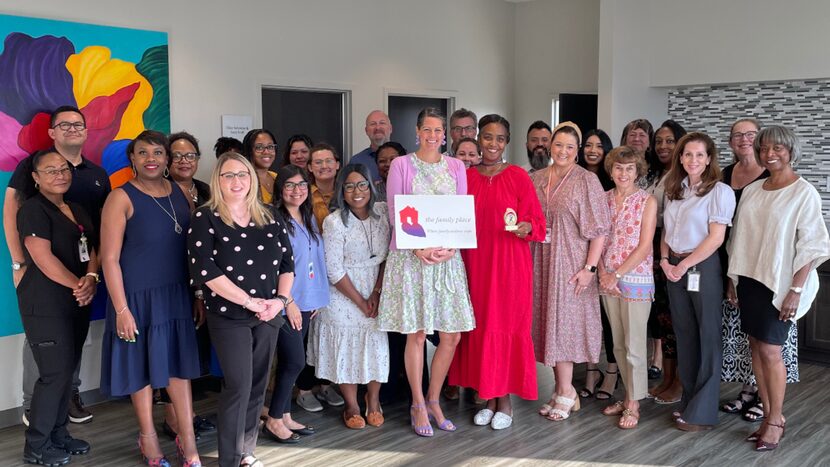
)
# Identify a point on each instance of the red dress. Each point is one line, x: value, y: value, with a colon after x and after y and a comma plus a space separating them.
x: 496, y: 358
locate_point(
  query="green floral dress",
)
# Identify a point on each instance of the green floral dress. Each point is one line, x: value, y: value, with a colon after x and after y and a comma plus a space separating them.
x: 426, y: 297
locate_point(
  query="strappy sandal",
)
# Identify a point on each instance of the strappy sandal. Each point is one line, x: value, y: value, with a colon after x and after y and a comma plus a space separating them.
x: 446, y: 425
x: 617, y: 408
x: 762, y: 445
x: 628, y: 414
x: 755, y: 413
x: 745, y: 400
x: 608, y: 395
x: 420, y: 430
x: 585, y: 392
x: 545, y: 409
x: 557, y: 415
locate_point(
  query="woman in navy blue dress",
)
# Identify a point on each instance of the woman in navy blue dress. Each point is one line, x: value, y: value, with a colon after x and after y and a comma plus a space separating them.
x: 149, y: 340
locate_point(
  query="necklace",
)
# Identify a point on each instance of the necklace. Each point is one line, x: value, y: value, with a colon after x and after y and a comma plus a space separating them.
x: 368, y: 235
x: 176, y: 226
x: 194, y: 195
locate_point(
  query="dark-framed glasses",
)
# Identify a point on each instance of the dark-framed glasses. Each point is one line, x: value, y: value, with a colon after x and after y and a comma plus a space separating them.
x: 750, y: 135
x: 241, y: 175
x: 66, y: 126
x: 463, y: 129
x: 184, y: 156
x: 361, y: 186
x: 265, y: 148
x: 290, y: 186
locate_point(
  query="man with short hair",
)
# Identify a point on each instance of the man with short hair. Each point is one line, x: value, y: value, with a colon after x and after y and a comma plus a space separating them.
x: 90, y: 187
x: 463, y: 124
x: 538, y: 145
x: 379, y: 130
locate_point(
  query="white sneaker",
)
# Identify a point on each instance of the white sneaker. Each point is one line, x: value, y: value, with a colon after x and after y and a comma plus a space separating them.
x: 483, y: 417
x: 330, y: 397
x: 501, y: 421
x: 309, y: 402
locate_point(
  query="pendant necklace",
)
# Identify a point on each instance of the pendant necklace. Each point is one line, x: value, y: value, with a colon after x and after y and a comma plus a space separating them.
x: 368, y: 234
x: 176, y: 226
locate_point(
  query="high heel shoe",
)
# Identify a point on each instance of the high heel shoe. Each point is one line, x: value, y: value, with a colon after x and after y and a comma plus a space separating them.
x: 572, y: 405
x: 183, y: 460
x: 446, y: 425
x: 373, y: 418
x: 761, y: 445
x: 585, y: 392
x: 607, y: 395
x: 420, y: 430
x: 155, y: 462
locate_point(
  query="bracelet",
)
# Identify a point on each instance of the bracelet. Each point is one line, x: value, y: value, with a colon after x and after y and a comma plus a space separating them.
x: 376, y: 290
x: 666, y: 258
x: 122, y: 310
x: 199, y: 294
x: 247, y: 302
x: 94, y: 275
x: 290, y: 301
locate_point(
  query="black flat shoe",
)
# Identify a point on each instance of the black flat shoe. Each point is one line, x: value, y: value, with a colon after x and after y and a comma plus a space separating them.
x: 202, y: 424
x: 72, y: 445
x: 654, y: 372
x: 293, y: 439
x: 168, y: 430
x: 49, y: 456
x: 307, y: 431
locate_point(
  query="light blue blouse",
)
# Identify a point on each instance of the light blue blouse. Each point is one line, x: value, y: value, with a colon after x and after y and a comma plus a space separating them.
x: 311, y: 284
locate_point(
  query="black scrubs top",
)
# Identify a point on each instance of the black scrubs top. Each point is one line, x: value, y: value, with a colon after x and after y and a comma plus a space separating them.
x: 38, y: 217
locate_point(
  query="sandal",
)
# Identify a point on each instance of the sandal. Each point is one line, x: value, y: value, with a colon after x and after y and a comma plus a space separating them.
x: 248, y: 460
x: 617, y: 408
x: 557, y: 415
x: 762, y: 445
x: 545, y: 409
x: 446, y: 425
x: 585, y: 392
x: 755, y: 413
x: 607, y: 395
x: 420, y: 430
x: 627, y: 416
x: 745, y: 400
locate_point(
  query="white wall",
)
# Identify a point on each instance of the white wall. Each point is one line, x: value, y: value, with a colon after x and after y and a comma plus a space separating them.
x: 556, y: 51
x: 222, y: 52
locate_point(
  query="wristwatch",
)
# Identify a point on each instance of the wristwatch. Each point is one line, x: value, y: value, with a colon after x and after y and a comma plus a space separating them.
x: 94, y: 275
x: 618, y: 275
x: 796, y: 289
x: 199, y: 294
x: 591, y: 269
x: 16, y: 266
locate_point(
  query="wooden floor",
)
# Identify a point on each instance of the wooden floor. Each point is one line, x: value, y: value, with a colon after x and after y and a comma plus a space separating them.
x: 587, y: 439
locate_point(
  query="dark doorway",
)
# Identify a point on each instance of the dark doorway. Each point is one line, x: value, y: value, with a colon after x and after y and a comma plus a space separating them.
x: 320, y: 114
x: 580, y: 109
x: 403, y: 112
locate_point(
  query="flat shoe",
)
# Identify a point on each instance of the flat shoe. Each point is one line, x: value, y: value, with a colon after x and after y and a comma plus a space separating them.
x: 661, y: 401
x: 309, y: 402
x: 628, y: 414
x: 307, y: 431
x: 617, y: 408
x: 685, y: 426
x: 374, y: 419
x: 483, y: 417
x: 501, y: 421
x: 355, y: 422
x: 330, y: 397
x: 293, y: 439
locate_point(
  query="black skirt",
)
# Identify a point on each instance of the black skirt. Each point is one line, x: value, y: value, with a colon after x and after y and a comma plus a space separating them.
x: 759, y: 317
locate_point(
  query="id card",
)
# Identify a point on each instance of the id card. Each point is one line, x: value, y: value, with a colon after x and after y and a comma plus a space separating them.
x: 83, y: 250
x: 311, y: 270
x: 693, y: 281
x: 547, y: 235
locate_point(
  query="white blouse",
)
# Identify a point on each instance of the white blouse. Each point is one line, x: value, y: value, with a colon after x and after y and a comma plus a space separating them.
x: 776, y: 233
x: 686, y: 221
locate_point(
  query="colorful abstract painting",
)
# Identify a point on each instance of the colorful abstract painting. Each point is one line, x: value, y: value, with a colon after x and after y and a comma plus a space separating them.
x: 118, y: 77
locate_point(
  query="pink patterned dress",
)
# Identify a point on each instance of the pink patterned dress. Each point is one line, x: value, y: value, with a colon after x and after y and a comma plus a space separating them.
x: 566, y: 326
x: 638, y: 284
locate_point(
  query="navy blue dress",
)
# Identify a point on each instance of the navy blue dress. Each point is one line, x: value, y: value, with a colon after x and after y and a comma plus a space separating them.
x: 154, y: 267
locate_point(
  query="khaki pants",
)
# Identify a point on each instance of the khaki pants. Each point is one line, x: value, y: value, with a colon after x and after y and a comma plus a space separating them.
x: 629, y: 325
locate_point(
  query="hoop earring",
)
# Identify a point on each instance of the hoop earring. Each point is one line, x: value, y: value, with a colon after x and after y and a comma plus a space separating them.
x: 444, y: 142
x: 166, y: 172
x: 132, y: 167
x: 37, y: 186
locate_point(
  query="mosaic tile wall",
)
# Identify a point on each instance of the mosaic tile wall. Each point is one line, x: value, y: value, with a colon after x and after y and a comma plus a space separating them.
x: 803, y: 106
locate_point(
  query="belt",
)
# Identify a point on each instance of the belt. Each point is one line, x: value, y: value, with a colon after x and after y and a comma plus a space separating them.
x: 678, y: 255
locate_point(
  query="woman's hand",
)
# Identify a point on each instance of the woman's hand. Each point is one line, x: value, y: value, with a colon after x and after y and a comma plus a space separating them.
x: 18, y: 275
x: 675, y: 273
x: 790, y: 306
x: 667, y: 269
x: 374, y: 302
x: 523, y: 229
x: 608, y: 283
x: 85, y: 291
x: 364, y: 307
x: 432, y: 256
x: 272, y: 307
x: 125, y: 326
x: 731, y: 295
x: 582, y: 279
x: 199, y: 312
x: 295, y: 317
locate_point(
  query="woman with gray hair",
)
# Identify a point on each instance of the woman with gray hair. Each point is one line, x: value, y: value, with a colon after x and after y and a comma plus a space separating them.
x: 345, y: 345
x: 780, y: 214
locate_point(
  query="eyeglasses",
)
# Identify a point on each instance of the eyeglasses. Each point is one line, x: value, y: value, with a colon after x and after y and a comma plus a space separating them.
x: 187, y: 156
x: 229, y: 176
x: 289, y: 186
x: 463, y: 129
x: 739, y: 136
x: 361, y: 186
x: 322, y: 162
x: 66, y: 126
x: 265, y: 148
x: 53, y: 173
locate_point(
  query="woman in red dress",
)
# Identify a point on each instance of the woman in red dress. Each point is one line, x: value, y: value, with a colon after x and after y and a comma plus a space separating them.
x: 496, y: 358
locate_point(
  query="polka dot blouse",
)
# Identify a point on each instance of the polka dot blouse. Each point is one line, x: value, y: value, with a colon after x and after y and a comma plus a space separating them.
x: 251, y: 257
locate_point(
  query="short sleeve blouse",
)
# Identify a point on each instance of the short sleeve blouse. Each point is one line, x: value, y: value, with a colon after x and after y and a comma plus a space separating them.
x: 39, y: 217
x: 686, y: 221
x: 251, y: 257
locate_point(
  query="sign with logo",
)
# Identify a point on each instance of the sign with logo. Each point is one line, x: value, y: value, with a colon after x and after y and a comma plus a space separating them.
x: 428, y: 221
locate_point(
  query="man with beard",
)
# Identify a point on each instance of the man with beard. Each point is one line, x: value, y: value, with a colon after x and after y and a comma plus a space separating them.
x: 538, y: 145
x: 463, y: 124
x: 89, y: 188
x: 378, y: 129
